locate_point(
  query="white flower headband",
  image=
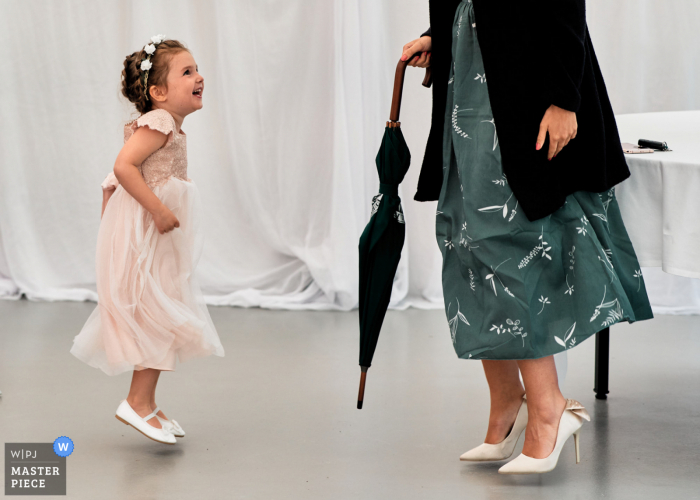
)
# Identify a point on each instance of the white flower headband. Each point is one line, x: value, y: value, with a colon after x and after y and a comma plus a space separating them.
x: 146, y: 63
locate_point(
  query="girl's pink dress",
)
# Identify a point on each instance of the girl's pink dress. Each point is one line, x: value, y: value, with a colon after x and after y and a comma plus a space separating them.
x: 150, y: 310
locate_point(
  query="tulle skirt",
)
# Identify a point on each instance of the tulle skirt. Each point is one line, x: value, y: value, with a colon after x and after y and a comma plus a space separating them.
x: 150, y: 310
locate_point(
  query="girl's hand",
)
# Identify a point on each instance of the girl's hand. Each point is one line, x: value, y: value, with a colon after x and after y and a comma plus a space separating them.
x: 424, y: 44
x: 562, y: 127
x: 165, y: 220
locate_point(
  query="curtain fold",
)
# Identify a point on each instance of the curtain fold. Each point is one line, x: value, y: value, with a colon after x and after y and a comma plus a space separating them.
x: 296, y: 96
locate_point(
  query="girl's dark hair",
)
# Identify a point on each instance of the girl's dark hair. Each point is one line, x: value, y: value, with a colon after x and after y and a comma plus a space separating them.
x: 132, y: 75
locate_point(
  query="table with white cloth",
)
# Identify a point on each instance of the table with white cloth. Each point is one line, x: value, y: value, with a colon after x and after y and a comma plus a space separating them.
x: 660, y: 206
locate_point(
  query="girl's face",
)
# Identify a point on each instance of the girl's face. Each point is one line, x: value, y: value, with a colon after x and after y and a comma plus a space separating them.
x: 185, y: 86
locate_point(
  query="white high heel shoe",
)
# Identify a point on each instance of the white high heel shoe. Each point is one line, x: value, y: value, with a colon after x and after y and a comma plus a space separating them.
x: 503, y: 450
x: 569, y: 424
x: 126, y: 414
x: 170, y: 425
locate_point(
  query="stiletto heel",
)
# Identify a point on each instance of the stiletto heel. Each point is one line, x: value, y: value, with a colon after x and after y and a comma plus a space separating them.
x: 503, y: 450
x: 570, y: 424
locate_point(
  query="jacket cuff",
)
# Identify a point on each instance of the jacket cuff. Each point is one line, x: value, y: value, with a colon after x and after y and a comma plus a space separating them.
x: 428, y: 33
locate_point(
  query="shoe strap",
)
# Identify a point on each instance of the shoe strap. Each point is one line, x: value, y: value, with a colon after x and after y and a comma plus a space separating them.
x: 149, y: 417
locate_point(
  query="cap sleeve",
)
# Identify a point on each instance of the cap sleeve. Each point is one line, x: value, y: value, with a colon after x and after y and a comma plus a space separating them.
x: 158, y: 119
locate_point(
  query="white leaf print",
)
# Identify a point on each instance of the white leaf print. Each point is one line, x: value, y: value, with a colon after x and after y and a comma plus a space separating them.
x: 638, y: 275
x: 454, y: 322
x: 505, y: 211
x: 455, y: 126
x: 494, y: 276
x: 492, y: 121
x: 570, y: 332
x: 494, y: 208
x: 567, y: 336
x: 462, y: 317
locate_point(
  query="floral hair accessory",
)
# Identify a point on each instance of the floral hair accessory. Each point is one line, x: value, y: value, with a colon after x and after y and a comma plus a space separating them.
x: 146, y: 63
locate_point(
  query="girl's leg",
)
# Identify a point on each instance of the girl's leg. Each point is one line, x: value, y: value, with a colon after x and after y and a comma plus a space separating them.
x: 153, y: 398
x: 545, y: 405
x: 506, y: 397
x: 143, y: 387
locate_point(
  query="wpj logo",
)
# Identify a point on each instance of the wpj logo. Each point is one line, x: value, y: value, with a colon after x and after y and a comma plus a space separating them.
x: 37, y: 468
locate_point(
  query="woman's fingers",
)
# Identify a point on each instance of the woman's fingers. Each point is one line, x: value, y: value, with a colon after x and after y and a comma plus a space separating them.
x: 542, y: 136
x: 426, y: 58
x: 409, y: 49
x: 553, y: 146
x: 420, y: 61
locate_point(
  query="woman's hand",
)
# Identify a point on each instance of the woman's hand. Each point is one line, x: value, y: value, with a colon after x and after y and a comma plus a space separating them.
x: 165, y: 220
x: 424, y: 44
x: 562, y: 127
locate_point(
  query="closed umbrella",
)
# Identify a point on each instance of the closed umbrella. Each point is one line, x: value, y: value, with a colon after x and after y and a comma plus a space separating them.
x: 383, y: 238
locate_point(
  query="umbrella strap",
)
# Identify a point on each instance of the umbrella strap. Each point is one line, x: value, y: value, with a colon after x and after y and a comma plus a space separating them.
x: 389, y: 189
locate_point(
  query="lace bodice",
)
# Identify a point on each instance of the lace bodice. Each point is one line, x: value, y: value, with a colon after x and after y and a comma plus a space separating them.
x: 168, y: 161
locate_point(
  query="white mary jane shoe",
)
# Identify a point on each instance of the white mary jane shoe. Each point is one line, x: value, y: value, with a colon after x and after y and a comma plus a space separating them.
x: 570, y: 424
x: 503, y: 450
x: 170, y: 425
x: 126, y: 414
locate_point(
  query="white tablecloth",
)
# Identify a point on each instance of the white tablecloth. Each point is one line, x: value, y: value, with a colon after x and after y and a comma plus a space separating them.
x: 660, y: 205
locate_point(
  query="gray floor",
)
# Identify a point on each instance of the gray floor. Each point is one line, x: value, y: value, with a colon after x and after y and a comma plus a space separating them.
x: 276, y: 418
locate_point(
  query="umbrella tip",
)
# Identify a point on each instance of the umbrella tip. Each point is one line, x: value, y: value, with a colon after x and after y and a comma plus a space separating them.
x: 359, y: 405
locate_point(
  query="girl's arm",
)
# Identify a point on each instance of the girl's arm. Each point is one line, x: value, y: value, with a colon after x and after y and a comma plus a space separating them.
x: 140, y: 146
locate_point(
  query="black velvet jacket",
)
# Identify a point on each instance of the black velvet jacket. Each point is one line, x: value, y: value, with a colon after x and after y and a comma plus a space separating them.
x: 535, y: 54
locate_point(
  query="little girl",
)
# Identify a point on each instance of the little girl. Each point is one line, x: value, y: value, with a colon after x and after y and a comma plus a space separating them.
x: 151, y: 310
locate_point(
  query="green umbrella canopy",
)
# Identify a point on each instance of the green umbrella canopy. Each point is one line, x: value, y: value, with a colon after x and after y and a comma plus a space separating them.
x: 383, y: 238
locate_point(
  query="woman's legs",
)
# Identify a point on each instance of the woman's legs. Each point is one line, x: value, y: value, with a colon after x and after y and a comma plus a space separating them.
x: 142, y: 393
x: 545, y: 405
x: 506, y: 397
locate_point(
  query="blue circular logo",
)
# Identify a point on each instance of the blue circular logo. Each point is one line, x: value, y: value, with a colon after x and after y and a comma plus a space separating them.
x: 63, y: 446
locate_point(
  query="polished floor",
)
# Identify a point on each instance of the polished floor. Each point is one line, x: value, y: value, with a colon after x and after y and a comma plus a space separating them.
x: 276, y: 418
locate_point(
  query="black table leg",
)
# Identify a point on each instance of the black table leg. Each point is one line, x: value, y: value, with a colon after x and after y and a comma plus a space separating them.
x: 602, y: 363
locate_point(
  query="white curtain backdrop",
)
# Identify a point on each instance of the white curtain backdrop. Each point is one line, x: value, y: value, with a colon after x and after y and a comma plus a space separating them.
x: 297, y: 94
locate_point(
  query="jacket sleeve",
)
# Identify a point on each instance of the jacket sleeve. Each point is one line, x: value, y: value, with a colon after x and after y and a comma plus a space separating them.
x: 565, y: 57
x: 428, y: 33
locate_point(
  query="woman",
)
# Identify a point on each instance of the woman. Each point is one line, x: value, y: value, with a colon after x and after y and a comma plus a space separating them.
x: 536, y: 257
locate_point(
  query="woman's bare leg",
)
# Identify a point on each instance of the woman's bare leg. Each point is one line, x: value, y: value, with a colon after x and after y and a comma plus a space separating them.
x: 143, y: 388
x: 545, y: 404
x: 506, y: 397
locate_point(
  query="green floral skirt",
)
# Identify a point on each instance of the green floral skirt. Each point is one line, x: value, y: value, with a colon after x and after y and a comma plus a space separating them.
x: 516, y: 289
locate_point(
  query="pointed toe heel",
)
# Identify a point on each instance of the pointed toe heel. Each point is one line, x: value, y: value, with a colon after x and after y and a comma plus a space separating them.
x: 570, y: 424
x: 503, y: 450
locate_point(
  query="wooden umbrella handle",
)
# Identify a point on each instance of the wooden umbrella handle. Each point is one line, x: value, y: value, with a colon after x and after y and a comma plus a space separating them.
x: 398, y: 88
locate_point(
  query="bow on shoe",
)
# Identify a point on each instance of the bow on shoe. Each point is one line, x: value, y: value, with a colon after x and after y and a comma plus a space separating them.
x: 176, y: 426
x: 577, y: 409
x: 168, y: 426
